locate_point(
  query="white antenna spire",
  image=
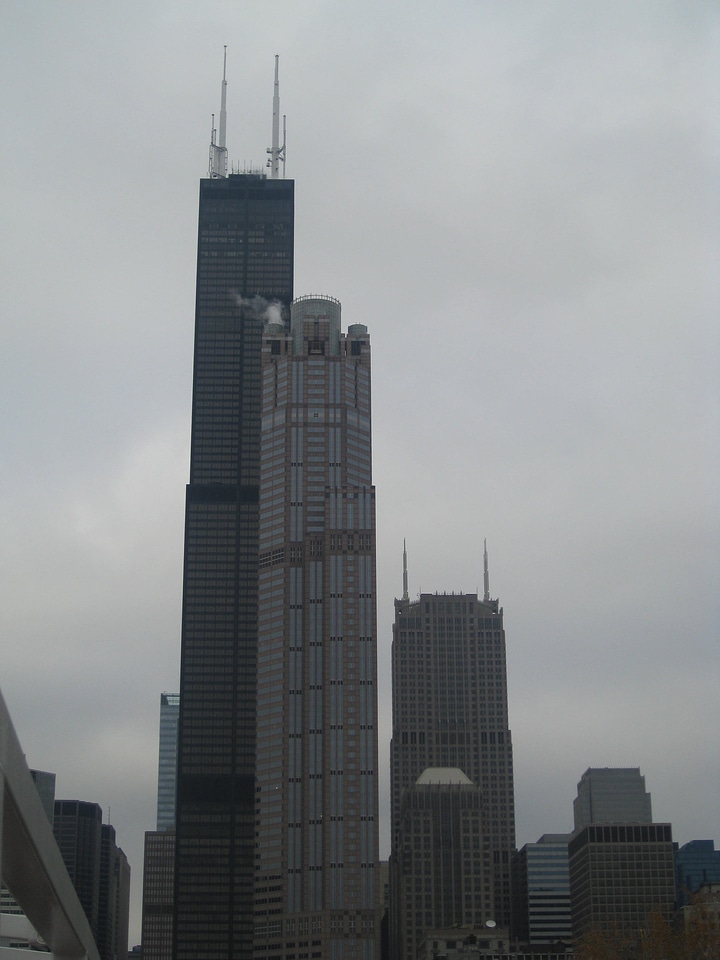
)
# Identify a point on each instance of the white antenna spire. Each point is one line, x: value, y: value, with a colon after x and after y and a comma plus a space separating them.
x: 218, y: 151
x: 405, y: 582
x: 277, y: 152
x: 223, y: 102
x: 486, y: 573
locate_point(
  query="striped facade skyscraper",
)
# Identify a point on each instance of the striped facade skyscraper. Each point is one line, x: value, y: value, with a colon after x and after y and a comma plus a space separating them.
x: 317, y: 828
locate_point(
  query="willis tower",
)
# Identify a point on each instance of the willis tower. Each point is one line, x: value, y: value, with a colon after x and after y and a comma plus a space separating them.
x: 244, y: 278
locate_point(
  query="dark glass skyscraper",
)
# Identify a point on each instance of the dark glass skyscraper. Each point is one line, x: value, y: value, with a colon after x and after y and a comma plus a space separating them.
x: 244, y: 276
x: 99, y: 872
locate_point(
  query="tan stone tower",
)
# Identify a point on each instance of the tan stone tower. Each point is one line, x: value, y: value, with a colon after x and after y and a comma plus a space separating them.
x: 316, y: 836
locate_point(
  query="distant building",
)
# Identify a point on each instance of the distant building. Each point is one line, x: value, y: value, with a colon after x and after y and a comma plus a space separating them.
x: 541, y: 891
x: 45, y: 784
x: 159, y: 855
x: 99, y: 871
x: 619, y: 875
x: 612, y: 795
x: 316, y: 849
x: 167, y: 760
x: 114, y: 898
x: 450, y: 709
x: 157, y: 905
x: 444, y: 868
x: 78, y: 831
x: 621, y: 863
x: 697, y: 863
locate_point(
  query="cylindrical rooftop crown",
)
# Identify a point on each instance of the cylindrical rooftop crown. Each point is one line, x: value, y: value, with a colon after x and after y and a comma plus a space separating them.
x: 319, y: 309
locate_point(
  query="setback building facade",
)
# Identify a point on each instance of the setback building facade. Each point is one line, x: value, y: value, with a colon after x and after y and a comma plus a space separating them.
x: 159, y: 854
x: 317, y: 814
x: 244, y: 274
x: 450, y: 709
x: 621, y: 863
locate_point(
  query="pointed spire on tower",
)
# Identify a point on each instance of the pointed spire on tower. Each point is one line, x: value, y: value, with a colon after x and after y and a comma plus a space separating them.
x: 223, y: 103
x: 405, y: 582
x: 277, y: 152
x: 486, y: 573
x: 218, y: 151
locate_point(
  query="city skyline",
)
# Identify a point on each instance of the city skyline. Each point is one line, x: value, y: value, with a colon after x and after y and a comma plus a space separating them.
x: 534, y: 181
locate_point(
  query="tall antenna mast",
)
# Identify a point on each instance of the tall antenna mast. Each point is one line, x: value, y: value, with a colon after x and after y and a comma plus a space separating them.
x: 486, y: 573
x: 223, y: 102
x: 218, y: 151
x: 276, y: 152
x: 405, y: 585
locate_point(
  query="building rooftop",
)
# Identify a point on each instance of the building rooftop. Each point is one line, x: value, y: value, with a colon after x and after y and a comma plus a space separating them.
x: 435, y: 775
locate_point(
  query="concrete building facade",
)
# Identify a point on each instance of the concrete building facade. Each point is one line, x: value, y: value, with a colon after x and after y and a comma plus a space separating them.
x: 316, y: 854
x: 612, y: 795
x: 443, y: 871
x: 619, y: 875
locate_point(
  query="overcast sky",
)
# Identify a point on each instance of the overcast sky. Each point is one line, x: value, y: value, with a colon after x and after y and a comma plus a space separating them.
x: 520, y: 200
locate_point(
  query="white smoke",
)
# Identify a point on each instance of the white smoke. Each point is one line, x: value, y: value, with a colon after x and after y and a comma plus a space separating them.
x: 271, y: 311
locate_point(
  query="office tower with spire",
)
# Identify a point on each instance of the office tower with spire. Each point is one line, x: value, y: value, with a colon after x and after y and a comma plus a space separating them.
x: 317, y: 829
x: 244, y: 276
x: 450, y: 710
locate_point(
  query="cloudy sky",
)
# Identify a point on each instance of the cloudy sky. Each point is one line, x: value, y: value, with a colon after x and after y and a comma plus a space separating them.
x: 520, y: 200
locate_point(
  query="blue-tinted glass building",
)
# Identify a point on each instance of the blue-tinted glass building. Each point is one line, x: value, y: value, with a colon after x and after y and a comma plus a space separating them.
x: 696, y: 863
x: 541, y: 878
x: 167, y: 760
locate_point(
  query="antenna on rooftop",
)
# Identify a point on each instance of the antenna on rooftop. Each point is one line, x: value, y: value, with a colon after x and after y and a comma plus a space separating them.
x: 218, y: 151
x: 405, y: 582
x: 486, y: 573
x: 276, y: 152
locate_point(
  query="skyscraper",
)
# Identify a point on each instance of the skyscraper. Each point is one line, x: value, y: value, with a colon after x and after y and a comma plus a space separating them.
x: 317, y: 843
x: 159, y: 854
x: 167, y: 760
x: 450, y: 709
x: 621, y: 863
x: 612, y: 795
x: 114, y: 899
x: 99, y: 871
x: 244, y: 274
x: 444, y: 867
x: 78, y: 831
